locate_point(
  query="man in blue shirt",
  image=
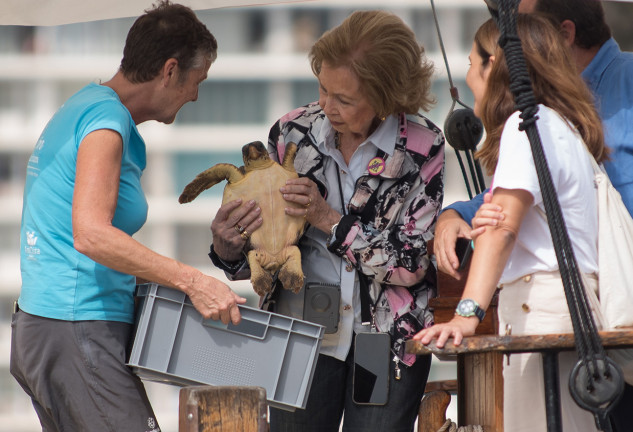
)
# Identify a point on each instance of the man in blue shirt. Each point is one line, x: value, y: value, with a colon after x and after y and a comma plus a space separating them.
x: 609, y: 74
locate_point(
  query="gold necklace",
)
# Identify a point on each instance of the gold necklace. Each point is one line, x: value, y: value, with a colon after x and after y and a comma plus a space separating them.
x: 337, y: 140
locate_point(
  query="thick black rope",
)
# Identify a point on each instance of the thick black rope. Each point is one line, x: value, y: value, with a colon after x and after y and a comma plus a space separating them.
x: 588, y: 344
x: 521, y: 88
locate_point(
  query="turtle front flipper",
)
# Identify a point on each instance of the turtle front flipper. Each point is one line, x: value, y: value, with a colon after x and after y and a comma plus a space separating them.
x: 289, y: 156
x: 208, y: 178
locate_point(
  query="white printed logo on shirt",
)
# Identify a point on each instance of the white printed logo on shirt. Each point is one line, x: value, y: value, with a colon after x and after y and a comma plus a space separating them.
x: 30, y: 249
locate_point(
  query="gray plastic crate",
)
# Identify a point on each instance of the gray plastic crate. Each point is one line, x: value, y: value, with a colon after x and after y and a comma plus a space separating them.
x: 174, y: 344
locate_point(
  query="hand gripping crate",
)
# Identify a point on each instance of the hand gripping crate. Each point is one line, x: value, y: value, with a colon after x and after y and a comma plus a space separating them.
x: 174, y: 344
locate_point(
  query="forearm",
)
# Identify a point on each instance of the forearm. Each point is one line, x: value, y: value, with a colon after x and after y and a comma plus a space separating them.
x: 330, y: 218
x: 491, y: 253
x: 117, y: 250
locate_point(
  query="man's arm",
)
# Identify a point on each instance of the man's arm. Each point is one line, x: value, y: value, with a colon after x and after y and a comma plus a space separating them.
x: 453, y: 222
x: 467, y: 209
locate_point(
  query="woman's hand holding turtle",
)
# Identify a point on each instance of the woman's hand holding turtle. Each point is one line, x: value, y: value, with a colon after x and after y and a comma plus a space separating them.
x: 232, y: 227
x: 311, y: 205
x: 303, y: 192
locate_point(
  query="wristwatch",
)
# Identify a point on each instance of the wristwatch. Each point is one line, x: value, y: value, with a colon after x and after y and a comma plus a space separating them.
x: 468, y: 308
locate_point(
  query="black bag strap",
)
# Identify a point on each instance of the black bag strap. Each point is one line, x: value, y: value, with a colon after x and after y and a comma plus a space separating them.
x: 367, y: 306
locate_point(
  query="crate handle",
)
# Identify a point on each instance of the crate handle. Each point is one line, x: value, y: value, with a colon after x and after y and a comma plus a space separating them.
x: 246, y: 327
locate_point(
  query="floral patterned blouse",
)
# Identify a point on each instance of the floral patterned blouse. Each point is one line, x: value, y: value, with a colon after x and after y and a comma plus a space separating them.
x: 389, y: 220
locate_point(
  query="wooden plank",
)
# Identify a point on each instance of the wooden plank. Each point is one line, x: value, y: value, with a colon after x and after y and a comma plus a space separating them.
x: 222, y: 409
x: 482, y: 395
x: 517, y: 344
x: 449, y: 386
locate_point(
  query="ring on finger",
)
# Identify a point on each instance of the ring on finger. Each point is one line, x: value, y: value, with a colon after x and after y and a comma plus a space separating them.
x: 239, y: 228
x: 309, y: 202
x: 305, y: 215
x: 245, y: 235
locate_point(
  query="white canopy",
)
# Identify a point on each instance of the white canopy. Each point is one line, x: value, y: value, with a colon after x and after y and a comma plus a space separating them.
x: 57, y: 12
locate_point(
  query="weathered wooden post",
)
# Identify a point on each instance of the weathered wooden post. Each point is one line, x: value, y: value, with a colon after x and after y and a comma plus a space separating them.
x: 223, y: 409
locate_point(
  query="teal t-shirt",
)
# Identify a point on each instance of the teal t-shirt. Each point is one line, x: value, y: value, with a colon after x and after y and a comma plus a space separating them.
x: 57, y: 281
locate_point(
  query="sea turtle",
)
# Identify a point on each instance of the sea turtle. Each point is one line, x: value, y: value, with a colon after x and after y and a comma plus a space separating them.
x: 272, y: 247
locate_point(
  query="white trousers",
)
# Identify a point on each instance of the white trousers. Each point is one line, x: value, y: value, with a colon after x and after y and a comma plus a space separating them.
x: 535, y: 304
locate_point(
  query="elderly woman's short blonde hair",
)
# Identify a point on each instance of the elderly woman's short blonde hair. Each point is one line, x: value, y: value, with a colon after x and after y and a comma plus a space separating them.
x: 385, y: 56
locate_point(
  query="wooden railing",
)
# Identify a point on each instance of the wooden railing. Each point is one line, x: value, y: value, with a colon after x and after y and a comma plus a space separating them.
x: 480, y: 359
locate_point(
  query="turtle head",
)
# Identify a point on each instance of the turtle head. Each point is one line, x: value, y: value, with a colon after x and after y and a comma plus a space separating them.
x: 255, y: 156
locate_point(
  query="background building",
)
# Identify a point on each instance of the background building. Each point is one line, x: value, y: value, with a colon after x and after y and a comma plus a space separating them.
x: 261, y: 73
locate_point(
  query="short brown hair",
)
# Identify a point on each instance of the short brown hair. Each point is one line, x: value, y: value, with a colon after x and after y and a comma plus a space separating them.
x: 385, y: 56
x: 163, y: 32
x: 587, y: 15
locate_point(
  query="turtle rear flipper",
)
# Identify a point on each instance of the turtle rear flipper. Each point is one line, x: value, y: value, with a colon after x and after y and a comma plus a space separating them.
x: 291, y: 273
x: 209, y: 178
x: 261, y: 279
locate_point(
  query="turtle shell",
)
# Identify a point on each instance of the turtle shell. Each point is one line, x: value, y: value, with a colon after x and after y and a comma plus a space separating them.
x: 272, y: 247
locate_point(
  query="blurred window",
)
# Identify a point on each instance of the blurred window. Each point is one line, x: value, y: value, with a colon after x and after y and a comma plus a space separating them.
x: 227, y: 102
x: 307, y: 26
x: 192, y: 244
x: 12, y: 172
x: 16, y: 39
x: 304, y: 92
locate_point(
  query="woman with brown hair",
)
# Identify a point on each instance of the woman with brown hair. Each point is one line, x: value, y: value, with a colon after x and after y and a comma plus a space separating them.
x: 518, y: 254
x: 371, y: 185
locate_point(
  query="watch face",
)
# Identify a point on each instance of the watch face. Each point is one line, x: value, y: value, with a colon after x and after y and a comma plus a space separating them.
x: 466, y: 307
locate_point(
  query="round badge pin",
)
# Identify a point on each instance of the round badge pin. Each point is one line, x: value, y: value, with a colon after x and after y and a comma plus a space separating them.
x: 376, y: 166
